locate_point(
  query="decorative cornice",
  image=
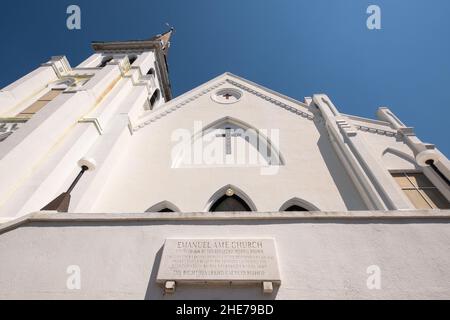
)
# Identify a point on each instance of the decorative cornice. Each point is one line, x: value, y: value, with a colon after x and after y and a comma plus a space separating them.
x: 234, y: 83
x: 382, y: 132
x: 272, y: 100
x: 138, y: 46
x: 177, y: 106
x: 395, y: 216
x: 126, y: 46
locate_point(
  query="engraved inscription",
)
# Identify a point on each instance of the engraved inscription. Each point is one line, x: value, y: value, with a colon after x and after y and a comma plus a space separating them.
x: 219, y: 259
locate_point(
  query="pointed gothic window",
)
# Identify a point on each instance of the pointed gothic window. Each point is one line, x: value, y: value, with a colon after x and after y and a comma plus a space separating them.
x: 230, y: 142
x: 297, y: 204
x: 164, y: 206
x: 151, y: 72
x: 230, y: 198
x: 230, y: 203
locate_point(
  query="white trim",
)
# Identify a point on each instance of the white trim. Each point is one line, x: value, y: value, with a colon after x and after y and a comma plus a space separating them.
x: 238, y: 192
x: 163, y: 205
x: 298, y: 202
x: 399, y: 216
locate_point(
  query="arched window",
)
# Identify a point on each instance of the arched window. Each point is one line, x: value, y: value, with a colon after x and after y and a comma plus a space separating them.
x: 163, y: 206
x: 230, y: 198
x: 227, y: 203
x: 132, y: 59
x: 105, y: 61
x: 296, y: 204
x: 151, y: 72
x: 154, y: 99
x: 232, y: 143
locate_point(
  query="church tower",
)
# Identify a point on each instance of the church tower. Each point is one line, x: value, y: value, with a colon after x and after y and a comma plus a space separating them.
x: 51, y: 118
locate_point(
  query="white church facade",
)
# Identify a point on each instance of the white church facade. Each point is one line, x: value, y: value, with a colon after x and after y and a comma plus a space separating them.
x: 100, y: 166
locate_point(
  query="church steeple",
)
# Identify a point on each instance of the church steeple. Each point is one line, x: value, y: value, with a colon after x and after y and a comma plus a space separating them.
x: 164, y: 39
x: 158, y: 44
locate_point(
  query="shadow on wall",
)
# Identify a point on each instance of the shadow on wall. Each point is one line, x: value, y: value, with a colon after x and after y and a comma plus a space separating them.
x: 203, y: 292
x: 342, y: 180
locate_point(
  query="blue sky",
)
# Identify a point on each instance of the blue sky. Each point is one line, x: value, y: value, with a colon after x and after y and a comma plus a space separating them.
x: 295, y: 47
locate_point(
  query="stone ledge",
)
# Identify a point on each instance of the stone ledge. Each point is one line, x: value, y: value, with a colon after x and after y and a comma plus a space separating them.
x: 51, y: 216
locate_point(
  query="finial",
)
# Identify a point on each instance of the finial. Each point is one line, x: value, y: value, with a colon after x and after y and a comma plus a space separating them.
x: 170, y: 27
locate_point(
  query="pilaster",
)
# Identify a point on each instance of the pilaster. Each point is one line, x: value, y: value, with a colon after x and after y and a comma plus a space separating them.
x: 374, y: 182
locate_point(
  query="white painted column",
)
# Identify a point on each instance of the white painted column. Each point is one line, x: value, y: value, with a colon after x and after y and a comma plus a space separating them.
x: 55, y: 174
x: 107, y: 151
x: 92, y: 62
x: 25, y: 150
x: 103, y: 81
x: 145, y: 61
x: 31, y: 84
x: 374, y: 182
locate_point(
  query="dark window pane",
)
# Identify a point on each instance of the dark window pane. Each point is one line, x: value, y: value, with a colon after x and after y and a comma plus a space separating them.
x: 132, y: 59
x: 419, y: 180
x: 295, y: 208
x: 105, y: 61
x: 154, y: 98
x: 436, y: 198
x: 233, y: 203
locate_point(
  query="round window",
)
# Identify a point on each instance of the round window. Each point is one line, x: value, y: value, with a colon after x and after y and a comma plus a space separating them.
x: 227, y: 95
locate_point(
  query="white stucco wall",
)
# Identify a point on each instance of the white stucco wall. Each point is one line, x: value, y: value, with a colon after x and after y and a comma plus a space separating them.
x: 321, y: 255
x: 311, y: 172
